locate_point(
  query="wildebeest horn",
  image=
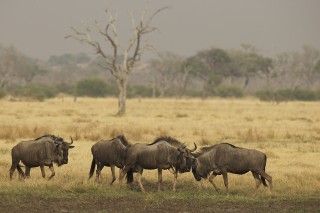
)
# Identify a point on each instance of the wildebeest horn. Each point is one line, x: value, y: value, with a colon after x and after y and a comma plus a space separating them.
x: 195, y: 148
x: 181, y: 147
x: 71, y: 140
x: 58, y: 142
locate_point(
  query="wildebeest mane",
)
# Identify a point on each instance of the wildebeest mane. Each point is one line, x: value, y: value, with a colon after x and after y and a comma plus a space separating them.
x: 53, y: 137
x: 202, y: 151
x: 208, y: 148
x: 233, y: 146
x: 168, y: 139
x: 43, y: 136
x: 124, y: 140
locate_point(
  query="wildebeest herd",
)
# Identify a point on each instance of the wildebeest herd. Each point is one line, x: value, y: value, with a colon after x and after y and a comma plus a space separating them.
x: 164, y: 153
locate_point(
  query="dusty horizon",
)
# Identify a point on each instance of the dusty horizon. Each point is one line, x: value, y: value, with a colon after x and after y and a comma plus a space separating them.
x: 37, y: 29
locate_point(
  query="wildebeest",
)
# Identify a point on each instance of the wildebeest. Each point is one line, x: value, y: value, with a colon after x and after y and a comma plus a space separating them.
x: 43, y: 151
x: 163, y: 153
x: 109, y: 153
x: 223, y: 158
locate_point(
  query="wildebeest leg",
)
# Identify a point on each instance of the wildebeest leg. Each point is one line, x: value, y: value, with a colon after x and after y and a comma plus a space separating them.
x: 258, y: 181
x: 21, y: 173
x: 213, y: 184
x: 98, y: 172
x: 159, y: 179
x: 13, y: 167
x: 175, y: 181
x: 121, y: 176
x: 112, y: 167
x: 225, y: 179
x: 139, y: 174
x: 264, y: 175
x: 52, y: 171
x: 42, y: 171
x: 123, y: 173
x: 28, y: 171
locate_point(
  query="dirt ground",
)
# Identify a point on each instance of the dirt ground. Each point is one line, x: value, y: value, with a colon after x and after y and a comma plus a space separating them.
x: 10, y: 203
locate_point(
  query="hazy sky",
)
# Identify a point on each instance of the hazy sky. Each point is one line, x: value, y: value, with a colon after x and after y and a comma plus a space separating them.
x: 38, y: 27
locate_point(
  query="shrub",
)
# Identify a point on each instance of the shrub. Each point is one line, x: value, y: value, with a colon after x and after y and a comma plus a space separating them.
x: 94, y: 87
x: 265, y: 95
x: 139, y: 91
x: 228, y: 91
x: 284, y: 95
x: 35, y: 91
x: 65, y: 88
x: 305, y: 95
x: 287, y: 95
x: 2, y: 94
x: 317, y: 94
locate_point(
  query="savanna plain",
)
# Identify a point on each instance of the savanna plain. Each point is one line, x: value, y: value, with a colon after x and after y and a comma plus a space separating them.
x: 288, y: 133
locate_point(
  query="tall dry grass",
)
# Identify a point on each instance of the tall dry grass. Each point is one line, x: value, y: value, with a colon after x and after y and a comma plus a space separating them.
x: 288, y: 133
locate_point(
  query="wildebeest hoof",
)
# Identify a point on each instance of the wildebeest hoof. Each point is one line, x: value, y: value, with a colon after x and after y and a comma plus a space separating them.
x: 112, y: 181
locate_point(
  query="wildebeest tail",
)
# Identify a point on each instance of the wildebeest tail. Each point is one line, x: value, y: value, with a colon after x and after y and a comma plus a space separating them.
x: 129, y: 176
x: 93, y: 165
x: 21, y: 173
x: 264, y: 169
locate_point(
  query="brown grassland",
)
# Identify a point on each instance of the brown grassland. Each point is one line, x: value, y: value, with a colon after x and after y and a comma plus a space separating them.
x: 289, y: 133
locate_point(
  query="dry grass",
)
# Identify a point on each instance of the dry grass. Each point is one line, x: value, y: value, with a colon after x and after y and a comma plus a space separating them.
x: 288, y: 133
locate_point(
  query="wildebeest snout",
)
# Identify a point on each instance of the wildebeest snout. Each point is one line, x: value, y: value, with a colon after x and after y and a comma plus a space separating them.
x: 196, y: 176
x: 188, y: 165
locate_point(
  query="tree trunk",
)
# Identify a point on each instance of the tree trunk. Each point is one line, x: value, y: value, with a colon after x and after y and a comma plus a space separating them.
x: 122, y: 86
x: 162, y: 92
x: 205, y: 90
x: 185, y: 79
x: 154, y: 87
x: 163, y: 85
x: 268, y: 81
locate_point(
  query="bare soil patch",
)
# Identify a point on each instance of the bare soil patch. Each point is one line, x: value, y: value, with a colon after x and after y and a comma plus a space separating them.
x: 13, y: 203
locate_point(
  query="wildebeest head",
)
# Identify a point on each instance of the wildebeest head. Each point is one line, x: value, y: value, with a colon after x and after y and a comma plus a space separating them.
x: 62, y: 151
x: 197, y: 170
x: 185, y: 158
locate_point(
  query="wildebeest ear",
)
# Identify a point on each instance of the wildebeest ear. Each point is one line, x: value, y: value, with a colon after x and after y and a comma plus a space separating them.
x: 71, y: 147
x: 181, y: 150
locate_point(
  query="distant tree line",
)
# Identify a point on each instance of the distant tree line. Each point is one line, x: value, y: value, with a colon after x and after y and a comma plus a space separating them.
x: 235, y: 73
x: 213, y: 72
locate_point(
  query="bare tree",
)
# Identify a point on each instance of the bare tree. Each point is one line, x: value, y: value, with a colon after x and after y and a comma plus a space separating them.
x: 299, y: 69
x: 8, y: 58
x: 166, y: 70
x: 128, y: 55
x: 185, y: 77
x: 16, y: 68
x: 309, y: 59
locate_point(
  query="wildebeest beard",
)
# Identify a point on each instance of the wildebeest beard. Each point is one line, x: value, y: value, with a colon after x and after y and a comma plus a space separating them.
x: 196, y: 176
x: 62, y: 151
x: 188, y: 164
x: 59, y: 155
x: 183, y: 165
